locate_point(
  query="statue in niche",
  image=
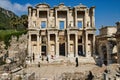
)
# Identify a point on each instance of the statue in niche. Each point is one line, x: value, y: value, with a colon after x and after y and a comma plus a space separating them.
x: 51, y: 22
x: 88, y: 24
x: 71, y: 24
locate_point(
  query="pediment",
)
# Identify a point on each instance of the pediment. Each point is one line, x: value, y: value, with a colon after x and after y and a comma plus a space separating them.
x: 81, y: 6
x: 42, y: 5
x: 62, y: 6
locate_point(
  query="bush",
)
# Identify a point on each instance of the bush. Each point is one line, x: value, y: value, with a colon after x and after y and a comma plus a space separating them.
x: 7, y: 34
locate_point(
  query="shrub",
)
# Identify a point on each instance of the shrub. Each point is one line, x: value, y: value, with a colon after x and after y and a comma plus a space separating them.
x: 7, y: 34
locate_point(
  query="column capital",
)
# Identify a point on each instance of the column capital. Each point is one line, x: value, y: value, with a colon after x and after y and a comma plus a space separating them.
x: 37, y: 34
x: 76, y: 34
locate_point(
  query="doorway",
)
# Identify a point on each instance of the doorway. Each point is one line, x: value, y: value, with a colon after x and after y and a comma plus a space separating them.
x: 43, y: 51
x: 62, y: 49
x: 80, y: 50
x: 104, y: 50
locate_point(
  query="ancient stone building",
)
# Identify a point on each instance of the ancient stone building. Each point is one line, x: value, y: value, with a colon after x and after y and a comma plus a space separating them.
x: 118, y: 40
x: 61, y: 31
x: 106, y: 45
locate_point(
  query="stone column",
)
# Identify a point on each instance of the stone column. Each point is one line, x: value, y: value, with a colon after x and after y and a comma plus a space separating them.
x: 76, y: 45
x: 93, y: 44
x: 47, y: 18
x: 37, y: 43
x: 67, y: 21
x: 37, y: 55
x: 57, y: 45
x: 86, y: 45
x: 75, y: 18
x: 48, y: 47
x: 68, y: 46
x: 29, y: 45
x: 85, y: 20
x: 109, y: 52
x: 56, y: 18
x: 93, y: 18
x: 83, y: 44
x: 40, y: 45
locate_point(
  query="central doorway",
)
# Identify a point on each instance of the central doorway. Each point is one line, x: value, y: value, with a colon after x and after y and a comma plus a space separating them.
x: 43, y: 51
x: 80, y: 50
x: 62, y: 49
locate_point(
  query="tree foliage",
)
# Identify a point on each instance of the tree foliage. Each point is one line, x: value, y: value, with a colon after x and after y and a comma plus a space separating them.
x: 17, y: 22
x: 24, y: 20
x: 7, y: 34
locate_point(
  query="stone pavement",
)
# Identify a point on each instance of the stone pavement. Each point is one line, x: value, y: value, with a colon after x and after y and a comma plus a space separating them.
x: 57, y: 66
x: 52, y: 72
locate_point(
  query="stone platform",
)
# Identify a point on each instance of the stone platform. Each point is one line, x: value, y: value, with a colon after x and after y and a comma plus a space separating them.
x: 65, y: 60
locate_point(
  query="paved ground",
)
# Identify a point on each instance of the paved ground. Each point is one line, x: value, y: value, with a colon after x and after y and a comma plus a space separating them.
x: 56, y: 67
x: 53, y: 71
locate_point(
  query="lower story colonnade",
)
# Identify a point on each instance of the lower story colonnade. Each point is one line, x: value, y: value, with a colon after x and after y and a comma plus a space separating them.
x: 55, y: 44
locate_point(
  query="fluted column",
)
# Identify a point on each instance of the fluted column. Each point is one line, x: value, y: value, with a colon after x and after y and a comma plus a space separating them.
x: 57, y: 45
x: 76, y: 45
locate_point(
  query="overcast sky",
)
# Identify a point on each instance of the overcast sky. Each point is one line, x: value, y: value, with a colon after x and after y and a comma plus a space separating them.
x: 107, y: 12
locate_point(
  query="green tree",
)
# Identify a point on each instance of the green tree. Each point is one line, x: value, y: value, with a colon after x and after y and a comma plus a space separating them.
x: 24, y: 20
x: 15, y: 21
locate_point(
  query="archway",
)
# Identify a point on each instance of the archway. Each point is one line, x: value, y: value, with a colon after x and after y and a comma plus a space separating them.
x: 104, y: 53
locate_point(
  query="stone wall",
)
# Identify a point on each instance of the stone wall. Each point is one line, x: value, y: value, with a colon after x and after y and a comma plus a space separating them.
x: 18, y: 47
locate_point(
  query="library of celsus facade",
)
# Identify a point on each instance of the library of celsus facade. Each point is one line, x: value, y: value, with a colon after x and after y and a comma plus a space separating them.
x: 61, y: 31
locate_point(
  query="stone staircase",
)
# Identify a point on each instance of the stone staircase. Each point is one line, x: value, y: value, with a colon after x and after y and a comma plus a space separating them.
x: 61, y: 60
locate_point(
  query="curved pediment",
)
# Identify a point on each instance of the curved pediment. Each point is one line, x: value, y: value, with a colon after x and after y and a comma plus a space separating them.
x: 42, y: 5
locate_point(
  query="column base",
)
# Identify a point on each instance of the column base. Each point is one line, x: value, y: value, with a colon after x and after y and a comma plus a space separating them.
x: 88, y: 55
x: 70, y: 55
x: 57, y: 56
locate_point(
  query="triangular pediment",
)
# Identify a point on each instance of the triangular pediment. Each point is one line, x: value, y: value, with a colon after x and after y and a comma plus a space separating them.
x: 80, y: 6
x: 62, y: 6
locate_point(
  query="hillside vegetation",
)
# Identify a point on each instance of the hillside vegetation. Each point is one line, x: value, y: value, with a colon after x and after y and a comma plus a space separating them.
x: 9, y: 20
x: 11, y: 25
x: 5, y: 17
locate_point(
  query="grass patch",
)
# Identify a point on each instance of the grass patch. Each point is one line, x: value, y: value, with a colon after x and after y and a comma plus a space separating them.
x: 5, y: 35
